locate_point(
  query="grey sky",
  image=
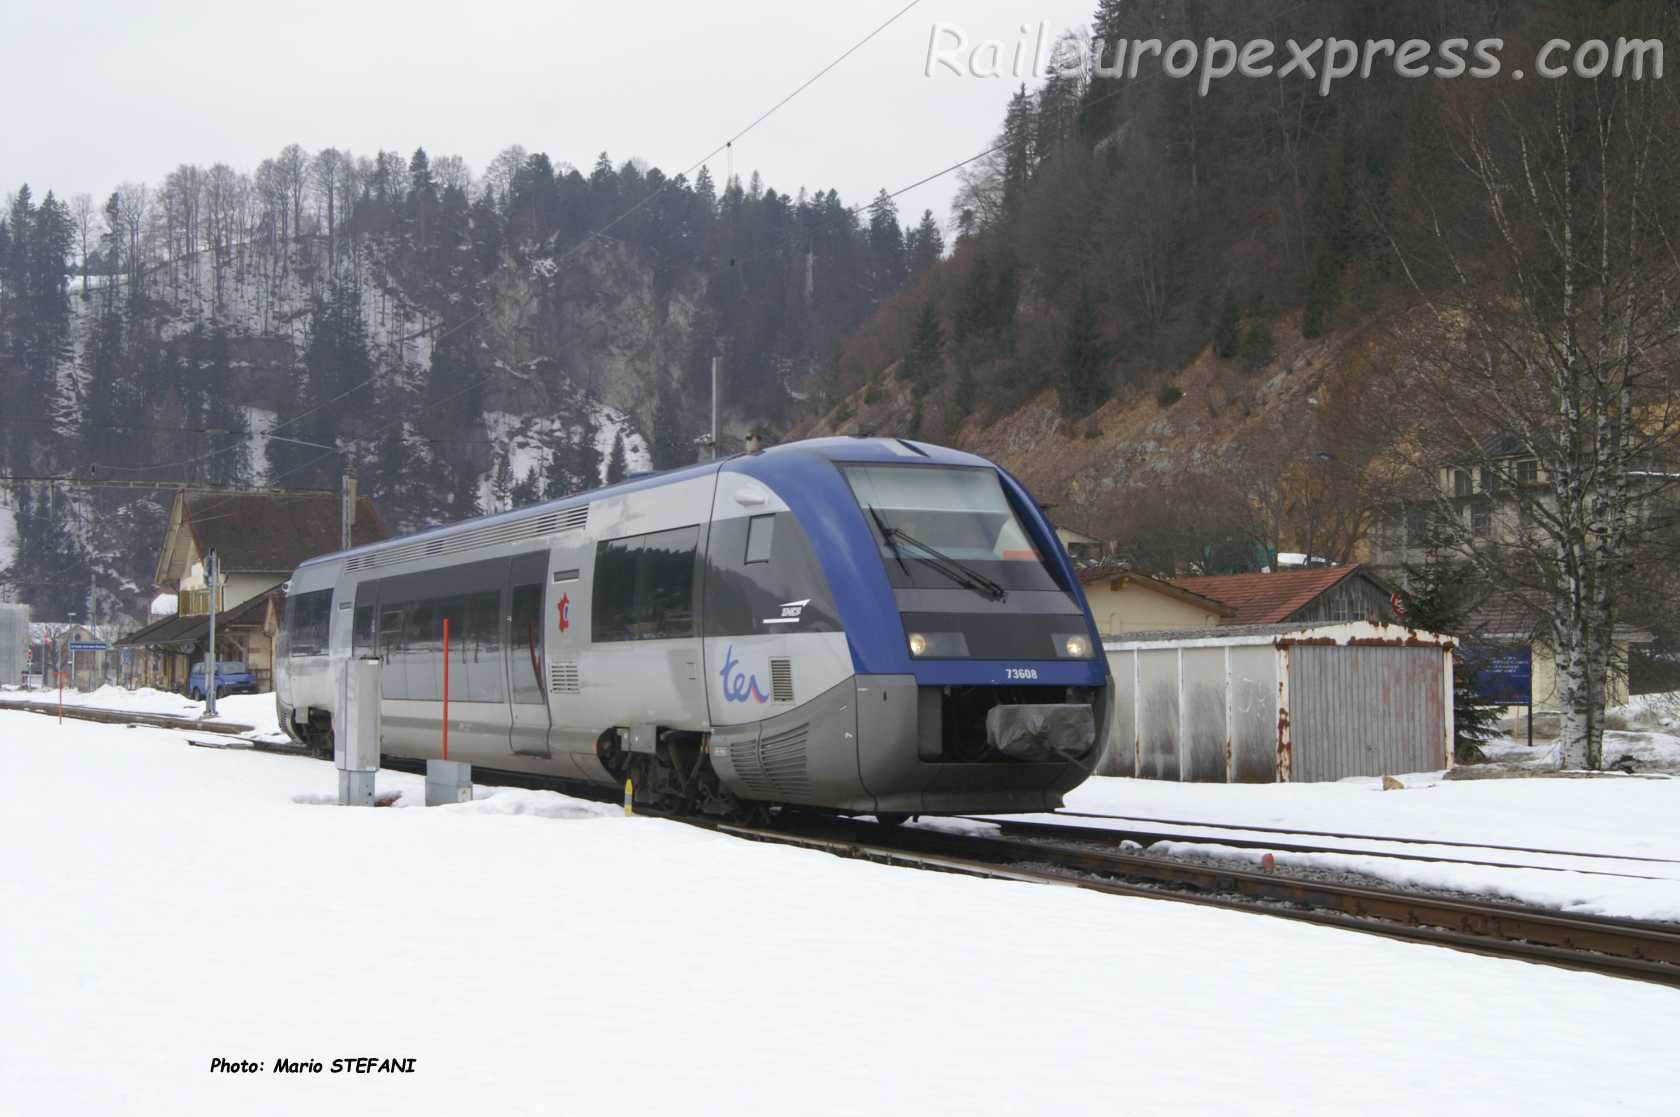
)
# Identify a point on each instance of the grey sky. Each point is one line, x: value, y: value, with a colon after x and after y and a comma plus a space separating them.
x: 139, y: 86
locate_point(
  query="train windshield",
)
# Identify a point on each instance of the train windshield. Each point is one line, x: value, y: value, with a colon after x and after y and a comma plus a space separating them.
x: 951, y: 513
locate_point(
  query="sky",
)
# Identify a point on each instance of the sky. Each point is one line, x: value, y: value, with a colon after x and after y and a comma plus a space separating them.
x: 141, y: 86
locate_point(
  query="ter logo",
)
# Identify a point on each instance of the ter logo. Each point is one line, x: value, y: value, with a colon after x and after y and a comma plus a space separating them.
x: 564, y: 607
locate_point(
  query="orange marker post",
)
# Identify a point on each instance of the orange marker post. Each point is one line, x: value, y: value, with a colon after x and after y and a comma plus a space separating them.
x: 446, y: 688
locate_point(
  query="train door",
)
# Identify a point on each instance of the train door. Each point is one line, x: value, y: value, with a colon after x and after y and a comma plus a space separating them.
x: 566, y: 616
x: 527, y: 696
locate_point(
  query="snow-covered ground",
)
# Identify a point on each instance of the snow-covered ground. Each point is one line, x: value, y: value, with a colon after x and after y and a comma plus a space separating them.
x: 165, y: 905
x: 256, y: 710
x: 1626, y: 817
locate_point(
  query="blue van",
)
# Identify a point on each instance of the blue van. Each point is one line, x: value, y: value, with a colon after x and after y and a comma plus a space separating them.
x: 232, y: 677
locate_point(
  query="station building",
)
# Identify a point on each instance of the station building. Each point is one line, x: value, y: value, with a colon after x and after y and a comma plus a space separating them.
x: 259, y: 538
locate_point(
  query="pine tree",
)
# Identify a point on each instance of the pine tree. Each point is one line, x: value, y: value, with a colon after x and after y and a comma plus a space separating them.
x: 1083, y: 357
x: 886, y: 245
x: 1227, y: 332
x: 615, y: 460
x: 1019, y: 127
x: 586, y: 455
x: 922, y: 362
x: 667, y: 446
x: 1441, y: 595
x: 925, y: 245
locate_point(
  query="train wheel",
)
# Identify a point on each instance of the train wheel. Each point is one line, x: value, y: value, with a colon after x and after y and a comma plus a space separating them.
x: 892, y: 820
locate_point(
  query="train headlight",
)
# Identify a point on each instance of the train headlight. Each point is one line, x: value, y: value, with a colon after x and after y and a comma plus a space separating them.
x: 938, y: 645
x: 1073, y: 646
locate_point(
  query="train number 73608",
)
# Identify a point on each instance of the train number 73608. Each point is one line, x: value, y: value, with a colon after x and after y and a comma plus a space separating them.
x: 1020, y: 672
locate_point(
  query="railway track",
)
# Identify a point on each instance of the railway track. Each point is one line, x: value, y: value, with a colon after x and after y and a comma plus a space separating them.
x: 1621, y: 948
x: 1297, y: 832
x: 1110, y: 836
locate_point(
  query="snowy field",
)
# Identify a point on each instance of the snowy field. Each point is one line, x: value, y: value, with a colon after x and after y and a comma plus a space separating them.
x: 256, y: 710
x: 165, y: 905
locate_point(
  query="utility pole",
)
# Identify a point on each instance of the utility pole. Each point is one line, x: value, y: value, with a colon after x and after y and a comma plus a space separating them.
x: 212, y: 569
x: 347, y: 513
x: 714, y: 407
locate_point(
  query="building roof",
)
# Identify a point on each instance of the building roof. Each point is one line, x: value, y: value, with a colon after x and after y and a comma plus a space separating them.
x: 1350, y: 633
x: 259, y: 532
x: 1269, y: 598
x: 189, y: 630
x: 1507, y: 617
x: 1119, y: 577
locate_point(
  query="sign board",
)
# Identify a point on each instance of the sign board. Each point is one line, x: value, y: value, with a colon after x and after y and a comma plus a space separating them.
x: 89, y: 646
x: 1501, y: 675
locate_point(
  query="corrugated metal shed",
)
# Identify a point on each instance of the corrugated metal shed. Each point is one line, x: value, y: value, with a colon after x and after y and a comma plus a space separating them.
x: 1286, y: 702
x: 14, y: 640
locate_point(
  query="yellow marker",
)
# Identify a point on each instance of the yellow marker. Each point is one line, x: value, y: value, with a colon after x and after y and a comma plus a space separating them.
x: 629, y: 797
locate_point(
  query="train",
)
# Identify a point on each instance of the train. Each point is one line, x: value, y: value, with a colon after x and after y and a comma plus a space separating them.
x: 861, y: 626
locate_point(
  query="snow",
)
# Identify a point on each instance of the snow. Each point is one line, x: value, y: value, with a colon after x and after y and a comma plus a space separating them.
x: 164, y: 605
x: 539, y: 955
x: 8, y: 531
x: 260, y: 422
x: 256, y: 710
x: 1619, y: 816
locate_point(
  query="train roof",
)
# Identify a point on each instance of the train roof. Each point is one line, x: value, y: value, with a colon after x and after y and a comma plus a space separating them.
x: 838, y: 449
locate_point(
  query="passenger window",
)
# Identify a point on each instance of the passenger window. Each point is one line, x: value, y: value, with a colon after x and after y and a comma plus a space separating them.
x: 644, y: 587
x: 760, y: 531
x: 362, y: 630
x: 525, y: 645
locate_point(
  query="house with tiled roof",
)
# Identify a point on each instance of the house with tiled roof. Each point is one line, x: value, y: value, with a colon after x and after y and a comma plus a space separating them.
x: 1123, y: 601
x: 1312, y: 595
x: 259, y: 538
x: 1506, y: 621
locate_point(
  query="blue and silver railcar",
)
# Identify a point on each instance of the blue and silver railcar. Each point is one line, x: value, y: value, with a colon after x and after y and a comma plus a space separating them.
x: 861, y: 625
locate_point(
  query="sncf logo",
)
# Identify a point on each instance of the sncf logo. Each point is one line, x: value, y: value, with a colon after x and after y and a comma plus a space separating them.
x: 738, y: 686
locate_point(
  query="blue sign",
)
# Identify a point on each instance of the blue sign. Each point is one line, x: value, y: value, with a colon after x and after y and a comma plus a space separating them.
x: 1500, y: 675
x: 88, y: 646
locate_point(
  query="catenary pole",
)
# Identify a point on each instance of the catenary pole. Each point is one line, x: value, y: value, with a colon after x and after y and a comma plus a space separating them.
x: 212, y: 565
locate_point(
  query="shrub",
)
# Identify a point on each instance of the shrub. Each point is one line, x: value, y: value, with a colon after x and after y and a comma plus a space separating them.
x: 1169, y: 395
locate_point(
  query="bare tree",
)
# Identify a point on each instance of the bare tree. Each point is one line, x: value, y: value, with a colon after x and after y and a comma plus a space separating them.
x: 324, y: 173
x: 222, y: 218
x: 1543, y: 353
x: 452, y: 172
x: 499, y: 175
x: 293, y: 166
x: 84, y: 213
x: 128, y: 217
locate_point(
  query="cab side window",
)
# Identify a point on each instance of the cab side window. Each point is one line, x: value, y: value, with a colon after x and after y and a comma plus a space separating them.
x: 761, y: 532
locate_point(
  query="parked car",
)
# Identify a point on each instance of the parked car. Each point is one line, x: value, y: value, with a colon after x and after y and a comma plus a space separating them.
x: 232, y: 677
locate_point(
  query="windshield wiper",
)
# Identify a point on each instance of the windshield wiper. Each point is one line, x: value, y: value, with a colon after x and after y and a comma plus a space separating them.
x: 887, y: 534
x: 958, y: 572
